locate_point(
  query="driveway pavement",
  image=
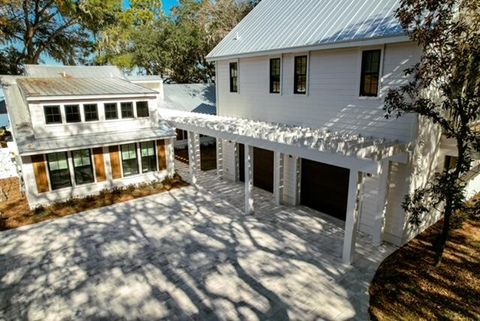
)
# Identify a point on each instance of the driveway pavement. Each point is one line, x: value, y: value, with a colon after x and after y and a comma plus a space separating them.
x: 190, y: 254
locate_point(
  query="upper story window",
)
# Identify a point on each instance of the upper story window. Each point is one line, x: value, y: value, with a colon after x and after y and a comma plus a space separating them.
x: 233, y: 77
x: 370, y: 73
x: 111, y: 111
x: 127, y: 110
x: 82, y: 166
x: 58, y: 170
x: 52, y: 114
x: 90, y: 111
x: 72, y: 113
x: 149, y: 160
x: 129, y: 159
x: 142, y: 109
x: 275, y: 75
x: 300, y: 74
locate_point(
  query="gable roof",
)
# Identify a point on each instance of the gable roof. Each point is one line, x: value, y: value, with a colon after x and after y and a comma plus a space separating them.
x: 196, y: 98
x: 293, y: 24
x: 49, y: 71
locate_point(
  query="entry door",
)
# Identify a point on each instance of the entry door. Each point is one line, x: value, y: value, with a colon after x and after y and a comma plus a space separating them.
x: 262, y: 167
x: 324, y: 188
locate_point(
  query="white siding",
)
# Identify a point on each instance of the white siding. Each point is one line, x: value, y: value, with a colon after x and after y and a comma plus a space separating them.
x: 229, y: 160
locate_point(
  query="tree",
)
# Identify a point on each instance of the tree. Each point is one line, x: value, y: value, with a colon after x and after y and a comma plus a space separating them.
x: 61, y: 29
x: 445, y: 89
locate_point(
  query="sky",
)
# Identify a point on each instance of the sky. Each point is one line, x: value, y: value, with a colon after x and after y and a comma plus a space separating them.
x: 167, y: 4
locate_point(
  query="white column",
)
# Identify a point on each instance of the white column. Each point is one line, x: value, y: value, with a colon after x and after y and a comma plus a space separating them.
x: 382, y: 197
x: 278, y: 181
x: 248, y: 179
x: 297, y: 179
x: 170, y: 156
x: 351, y: 221
x: 193, y: 155
x: 219, y: 157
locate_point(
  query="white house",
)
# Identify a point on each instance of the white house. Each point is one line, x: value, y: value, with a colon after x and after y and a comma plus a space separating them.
x: 300, y: 89
x: 83, y: 129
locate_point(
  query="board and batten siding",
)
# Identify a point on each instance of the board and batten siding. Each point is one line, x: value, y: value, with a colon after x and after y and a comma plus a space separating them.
x: 332, y: 99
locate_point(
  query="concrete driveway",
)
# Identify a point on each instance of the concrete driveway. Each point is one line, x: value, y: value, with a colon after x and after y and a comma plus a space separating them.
x: 190, y: 254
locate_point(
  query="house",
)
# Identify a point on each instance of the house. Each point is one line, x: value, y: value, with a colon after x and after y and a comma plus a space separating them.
x: 80, y: 130
x: 300, y: 88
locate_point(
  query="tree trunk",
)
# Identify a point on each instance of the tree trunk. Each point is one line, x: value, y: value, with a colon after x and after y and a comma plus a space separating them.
x: 442, y: 239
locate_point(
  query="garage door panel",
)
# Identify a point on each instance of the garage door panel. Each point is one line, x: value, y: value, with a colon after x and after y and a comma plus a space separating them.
x: 262, y: 170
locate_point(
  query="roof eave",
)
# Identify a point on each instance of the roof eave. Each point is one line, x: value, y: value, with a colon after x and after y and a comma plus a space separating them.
x: 80, y: 97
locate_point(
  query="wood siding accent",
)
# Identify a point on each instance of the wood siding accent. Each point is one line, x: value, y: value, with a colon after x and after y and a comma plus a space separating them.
x: 99, y: 164
x: 162, y: 155
x: 40, y: 171
x: 115, y: 161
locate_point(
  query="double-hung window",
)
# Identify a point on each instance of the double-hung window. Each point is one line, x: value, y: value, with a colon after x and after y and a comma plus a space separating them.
x: 275, y: 75
x: 127, y: 110
x: 129, y: 159
x: 82, y: 166
x: 370, y: 73
x: 233, y: 77
x: 90, y: 111
x: 300, y: 74
x: 111, y: 111
x: 142, y: 109
x: 58, y: 170
x: 52, y: 114
x: 149, y: 160
x: 72, y: 113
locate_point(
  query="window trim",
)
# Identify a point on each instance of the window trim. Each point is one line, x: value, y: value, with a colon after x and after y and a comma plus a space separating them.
x: 92, y: 168
x: 79, y: 113
x: 105, y: 111
x: 50, y: 175
x: 380, y: 72
x: 85, y: 114
x: 133, y: 110
x: 307, y: 61
x: 279, y: 76
x: 45, y: 115
x: 230, y: 83
x: 137, y: 159
x: 155, y: 156
x: 136, y: 108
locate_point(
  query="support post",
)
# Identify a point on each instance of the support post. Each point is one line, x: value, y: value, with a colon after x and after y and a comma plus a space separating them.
x: 382, y: 199
x: 219, y: 146
x: 351, y: 221
x: 278, y: 181
x: 248, y: 179
x: 193, y: 155
x: 170, y: 157
x: 297, y: 177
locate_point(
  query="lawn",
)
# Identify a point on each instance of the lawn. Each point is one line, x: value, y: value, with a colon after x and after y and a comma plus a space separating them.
x: 408, y: 287
x: 14, y: 212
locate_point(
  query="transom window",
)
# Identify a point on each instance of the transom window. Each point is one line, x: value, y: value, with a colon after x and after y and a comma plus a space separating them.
x: 370, y: 73
x: 127, y: 110
x: 300, y: 81
x: 275, y: 75
x: 58, y: 170
x: 52, y: 114
x: 142, y: 109
x: 82, y: 165
x: 91, y: 112
x: 129, y: 159
x: 72, y: 113
x: 149, y: 160
x: 111, y: 111
x: 233, y: 77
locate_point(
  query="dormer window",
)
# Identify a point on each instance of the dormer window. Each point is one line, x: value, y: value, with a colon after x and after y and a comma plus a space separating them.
x: 72, y: 113
x: 142, y: 109
x: 90, y: 111
x: 52, y: 114
x: 127, y: 110
x: 111, y: 111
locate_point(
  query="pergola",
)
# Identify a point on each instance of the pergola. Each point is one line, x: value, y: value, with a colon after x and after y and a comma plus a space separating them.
x: 360, y: 154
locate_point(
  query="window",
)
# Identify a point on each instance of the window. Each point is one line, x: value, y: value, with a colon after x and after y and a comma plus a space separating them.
x: 142, y: 109
x: 52, y: 115
x: 129, y: 159
x: 82, y: 166
x: 127, y: 110
x: 72, y: 113
x: 233, y: 77
x: 149, y: 160
x: 111, y: 111
x: 275, y: 75
x: 370, y: 73
x: 300, y: 81
x: 58, y: 170
x: 90, y: 111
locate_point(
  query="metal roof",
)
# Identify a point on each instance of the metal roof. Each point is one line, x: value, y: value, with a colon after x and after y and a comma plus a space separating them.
x: 44, y: 87
x: 287, y: 24
x: 197, y: 98
x: 147, y: 78
x: 49, y: 71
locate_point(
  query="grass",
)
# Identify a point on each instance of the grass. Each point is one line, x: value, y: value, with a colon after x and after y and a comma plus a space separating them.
x: 407, y: 286
x: 14, y: 212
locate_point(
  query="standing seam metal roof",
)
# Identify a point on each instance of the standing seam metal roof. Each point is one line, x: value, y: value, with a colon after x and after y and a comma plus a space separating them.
x: 281, y: 24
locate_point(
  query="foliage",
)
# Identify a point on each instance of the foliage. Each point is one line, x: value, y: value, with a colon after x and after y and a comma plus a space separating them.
x: 445, y: 89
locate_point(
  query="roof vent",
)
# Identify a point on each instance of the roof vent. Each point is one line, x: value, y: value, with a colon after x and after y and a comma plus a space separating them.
x: 237, y: 37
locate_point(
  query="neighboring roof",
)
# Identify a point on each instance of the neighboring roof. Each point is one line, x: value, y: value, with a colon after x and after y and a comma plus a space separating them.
x: 45, y: 87
x: 288, y: 24
x: 49, y: 71
x: 3, y: 107
x: 146, y: 78
x: 197, y: 98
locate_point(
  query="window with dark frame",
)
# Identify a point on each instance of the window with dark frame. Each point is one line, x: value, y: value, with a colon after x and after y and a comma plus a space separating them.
x: 300, y: 74
x: 149, y: 159
x: 275, y: 75
x: 129, y: 159
x: 142, y: 109
x: 91, y: 112
x: 111, y: 111
x: 370, y: 73
x: 72, y: 114
x: 127, y: 110
x: 58, y: 170
x: 233, y: 77
x: 52, y: 114
x: 82, y: 167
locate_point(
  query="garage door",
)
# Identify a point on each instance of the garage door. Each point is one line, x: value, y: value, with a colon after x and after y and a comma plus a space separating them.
x: 262, y: 167
x: 324, y: 188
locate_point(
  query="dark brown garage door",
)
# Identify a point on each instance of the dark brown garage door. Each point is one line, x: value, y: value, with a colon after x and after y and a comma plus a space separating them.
x: 262, y: 167
x: 324, y: 188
